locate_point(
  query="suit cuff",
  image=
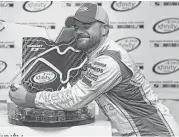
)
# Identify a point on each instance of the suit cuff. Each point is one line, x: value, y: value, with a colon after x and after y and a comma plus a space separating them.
x: 30, y: 99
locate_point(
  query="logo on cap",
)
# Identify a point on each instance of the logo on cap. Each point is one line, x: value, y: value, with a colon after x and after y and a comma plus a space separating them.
x: 82, y: 9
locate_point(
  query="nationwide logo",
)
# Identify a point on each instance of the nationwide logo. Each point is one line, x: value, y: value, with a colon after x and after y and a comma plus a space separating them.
x: 3, y: 86
x: 156, y: 85
x: 124, y: 5
x: 129, y: 43
x: 3, y: 66
x: 164, y: 43
x: 5, y: 4
x: 80, y: 4
x: 36, y: 6
x: 7, y: 44
x: 1, y: 26
x: 46, y: 25
x: 165, y: 26
x: 76, y: 4
x: 170, y: 86
x: 166, y: 66
x: 44, y: 77
x: 166, y: 3
x: 128, y: 25
x: 166, y: 85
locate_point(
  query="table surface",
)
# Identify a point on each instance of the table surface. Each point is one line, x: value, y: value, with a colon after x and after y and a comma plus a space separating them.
x: 98, y: 128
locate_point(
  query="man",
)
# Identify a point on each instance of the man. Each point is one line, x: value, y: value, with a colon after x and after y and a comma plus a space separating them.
x: 112, y: 79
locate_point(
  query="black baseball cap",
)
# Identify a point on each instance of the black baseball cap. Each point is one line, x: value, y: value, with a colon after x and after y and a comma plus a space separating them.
x: 88, y: 13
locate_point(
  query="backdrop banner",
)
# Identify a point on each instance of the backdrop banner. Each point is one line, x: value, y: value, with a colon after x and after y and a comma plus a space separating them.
x: 148, y: 30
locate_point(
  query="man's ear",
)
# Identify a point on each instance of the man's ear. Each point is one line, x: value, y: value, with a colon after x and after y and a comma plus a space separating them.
x: 105, y: 29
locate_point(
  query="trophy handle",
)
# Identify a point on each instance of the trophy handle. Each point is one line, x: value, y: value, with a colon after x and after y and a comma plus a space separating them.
x: 19, y: 72
x: 26, y: 64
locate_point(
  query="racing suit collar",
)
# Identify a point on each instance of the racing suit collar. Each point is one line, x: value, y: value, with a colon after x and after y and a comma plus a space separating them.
x: 101, y: 47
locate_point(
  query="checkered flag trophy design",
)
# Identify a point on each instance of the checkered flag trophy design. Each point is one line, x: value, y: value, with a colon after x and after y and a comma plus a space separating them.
x: 49, y: 66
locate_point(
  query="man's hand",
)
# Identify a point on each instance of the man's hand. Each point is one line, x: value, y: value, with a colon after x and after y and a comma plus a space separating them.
x: 18, y: 94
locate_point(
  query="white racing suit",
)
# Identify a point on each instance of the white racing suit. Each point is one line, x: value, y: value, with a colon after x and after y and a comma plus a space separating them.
x: 121, y: 91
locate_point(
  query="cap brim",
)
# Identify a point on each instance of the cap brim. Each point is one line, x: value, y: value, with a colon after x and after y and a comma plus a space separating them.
x: 71, y: 20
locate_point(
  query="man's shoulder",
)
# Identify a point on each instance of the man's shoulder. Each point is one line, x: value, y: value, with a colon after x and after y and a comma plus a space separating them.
x: 114, y: 46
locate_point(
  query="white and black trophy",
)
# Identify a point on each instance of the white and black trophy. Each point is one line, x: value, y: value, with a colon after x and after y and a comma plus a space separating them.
x: 49, y: 66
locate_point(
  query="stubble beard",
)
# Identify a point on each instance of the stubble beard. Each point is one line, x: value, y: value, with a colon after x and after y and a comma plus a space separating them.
x: 88, y: 44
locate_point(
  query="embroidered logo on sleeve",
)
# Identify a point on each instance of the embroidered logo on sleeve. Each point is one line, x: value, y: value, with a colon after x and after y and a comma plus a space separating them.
x: 95, y: 68
x: 87, y: 81
x: 92, y: 76
x: 99, y: 64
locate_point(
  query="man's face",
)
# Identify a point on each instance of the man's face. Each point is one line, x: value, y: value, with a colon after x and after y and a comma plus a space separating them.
x: 88, y: 35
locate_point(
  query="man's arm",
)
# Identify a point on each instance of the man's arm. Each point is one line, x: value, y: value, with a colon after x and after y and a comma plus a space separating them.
x: 102, y: 75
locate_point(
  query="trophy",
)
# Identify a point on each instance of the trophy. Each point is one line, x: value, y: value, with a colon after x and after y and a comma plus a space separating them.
x: 49, y: 66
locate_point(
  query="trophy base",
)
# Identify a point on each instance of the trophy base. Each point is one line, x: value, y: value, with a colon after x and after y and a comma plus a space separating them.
x: 33, y: 117
x: 57, y: 124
